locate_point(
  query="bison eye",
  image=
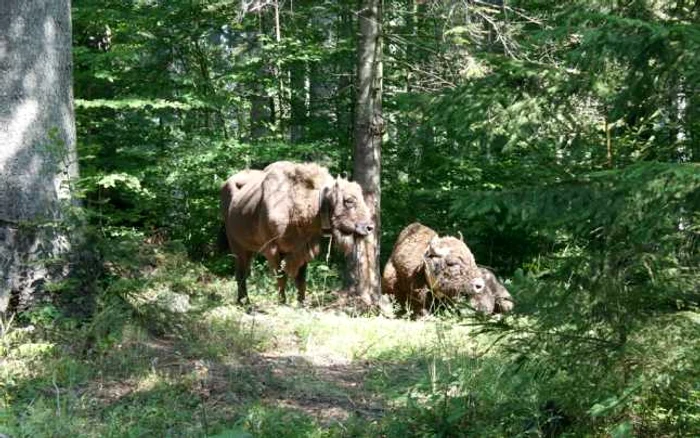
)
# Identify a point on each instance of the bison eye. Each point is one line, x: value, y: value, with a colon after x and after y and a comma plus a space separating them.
x: 349, y: 202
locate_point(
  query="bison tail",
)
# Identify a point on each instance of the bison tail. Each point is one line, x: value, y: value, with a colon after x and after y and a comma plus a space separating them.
x: 222, y: 241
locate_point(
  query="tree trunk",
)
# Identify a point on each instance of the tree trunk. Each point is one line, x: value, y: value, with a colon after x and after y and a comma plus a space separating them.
x: 298, y: 101
x: 322, y: 85
x: 262, y: 114
x: 345, y: 95
x: 262, y: 105
x: 37, y: 146
x: 369, y: 127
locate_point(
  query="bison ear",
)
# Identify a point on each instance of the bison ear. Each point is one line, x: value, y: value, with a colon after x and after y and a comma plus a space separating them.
x: 326, y: 194
x: 433, y: 242
x: 330, y: 192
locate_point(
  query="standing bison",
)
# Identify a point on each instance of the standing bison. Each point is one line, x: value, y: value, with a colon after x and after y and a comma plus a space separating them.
x: 282, y: 212
x: 425, y: 269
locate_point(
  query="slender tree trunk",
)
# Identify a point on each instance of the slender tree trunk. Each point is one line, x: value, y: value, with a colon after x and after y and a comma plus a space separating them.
x: 369, y: 127
x: 262, y: 109
x: 37, y: 146
x: 321, y: 92
x: 345, y: 96
x: 298, y: 101
x: 322, y: 85
x: 262, y: 106
x: 608, y: 142
x: 282, y: 105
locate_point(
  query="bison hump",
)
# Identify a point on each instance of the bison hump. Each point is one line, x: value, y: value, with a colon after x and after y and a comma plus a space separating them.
x: 291, y: 192
x: 410, y: 248
x: 300, y: 175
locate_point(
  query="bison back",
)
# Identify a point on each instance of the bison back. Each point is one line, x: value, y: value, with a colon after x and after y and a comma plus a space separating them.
x: 409, y: 250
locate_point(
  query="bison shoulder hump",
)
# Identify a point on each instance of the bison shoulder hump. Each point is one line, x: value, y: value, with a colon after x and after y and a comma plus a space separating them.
x: 410, y: 248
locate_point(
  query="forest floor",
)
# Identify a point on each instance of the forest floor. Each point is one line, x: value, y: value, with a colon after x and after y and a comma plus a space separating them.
x: 169, y: 354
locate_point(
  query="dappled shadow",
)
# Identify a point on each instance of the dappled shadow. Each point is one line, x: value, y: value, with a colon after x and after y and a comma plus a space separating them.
x: 168, y: 350
x: 330, y: 392
x: 188, y: 384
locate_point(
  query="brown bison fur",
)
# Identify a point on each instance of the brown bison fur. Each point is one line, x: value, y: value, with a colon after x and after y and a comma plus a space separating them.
x: 282, y: 212
x: 234, y: 183
x: 425, y: 269
x: 493, y: 298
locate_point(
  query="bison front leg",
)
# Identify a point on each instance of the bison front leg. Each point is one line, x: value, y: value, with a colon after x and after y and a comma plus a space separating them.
x: 242, y: 271
x: 276, y: 262
x: 420, y: 302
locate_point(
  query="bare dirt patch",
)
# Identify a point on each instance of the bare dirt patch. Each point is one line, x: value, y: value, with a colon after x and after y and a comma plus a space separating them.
x: 329, y: 393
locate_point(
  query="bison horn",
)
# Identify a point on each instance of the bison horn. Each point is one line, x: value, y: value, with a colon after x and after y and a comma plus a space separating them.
x: 324, y: 208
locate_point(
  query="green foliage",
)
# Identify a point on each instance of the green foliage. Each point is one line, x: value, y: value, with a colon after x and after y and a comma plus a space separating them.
x: 561, y: 139
x: 614, y: 259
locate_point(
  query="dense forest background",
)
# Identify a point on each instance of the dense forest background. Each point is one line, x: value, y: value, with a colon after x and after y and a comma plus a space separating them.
x: 562, y: 139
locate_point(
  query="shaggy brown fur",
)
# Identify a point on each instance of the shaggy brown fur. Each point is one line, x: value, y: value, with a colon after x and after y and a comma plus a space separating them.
x: 280, y: 212
x: 424, y: 268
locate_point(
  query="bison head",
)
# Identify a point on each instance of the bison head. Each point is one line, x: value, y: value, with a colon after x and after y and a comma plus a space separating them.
x: 346, y: 212
x: 492, y: 297
x: 450, y: 268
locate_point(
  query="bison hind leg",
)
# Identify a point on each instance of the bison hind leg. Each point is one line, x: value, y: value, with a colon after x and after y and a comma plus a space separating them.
x: 281, y: 278
x: 278, y: 264
x: 243, y: 261
x: 282, y: 286
x: 295, y: 265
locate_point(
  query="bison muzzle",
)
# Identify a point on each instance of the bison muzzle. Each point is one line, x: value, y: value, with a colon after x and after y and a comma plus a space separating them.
x: 493, y: 297
x: 282, y: 212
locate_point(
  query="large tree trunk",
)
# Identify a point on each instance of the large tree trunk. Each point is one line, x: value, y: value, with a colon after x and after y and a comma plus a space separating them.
x: 369, y: 127
x: 37, y: 145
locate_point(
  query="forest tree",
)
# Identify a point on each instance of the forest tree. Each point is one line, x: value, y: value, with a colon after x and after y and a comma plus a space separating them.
x: 368, y: 131
x: 37, y: 134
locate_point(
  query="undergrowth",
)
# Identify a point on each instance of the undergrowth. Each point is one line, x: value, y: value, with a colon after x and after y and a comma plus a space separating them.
x: 168, y: 353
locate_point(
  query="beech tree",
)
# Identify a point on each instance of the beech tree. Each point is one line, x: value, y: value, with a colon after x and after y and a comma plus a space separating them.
x: 37, y: 156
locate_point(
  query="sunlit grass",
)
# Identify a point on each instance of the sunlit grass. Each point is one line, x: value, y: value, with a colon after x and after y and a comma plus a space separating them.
x: 176, y: 354
x: 170, y: 353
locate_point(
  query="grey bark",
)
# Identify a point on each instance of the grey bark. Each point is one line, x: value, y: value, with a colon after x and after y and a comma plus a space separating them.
x: 37, y: 145
x: 369, y: 127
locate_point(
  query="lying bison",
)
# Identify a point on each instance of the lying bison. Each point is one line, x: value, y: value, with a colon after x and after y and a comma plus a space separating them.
x: 282, y: 212
x: 425, y: 269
